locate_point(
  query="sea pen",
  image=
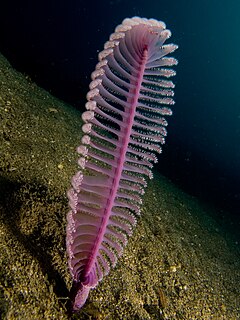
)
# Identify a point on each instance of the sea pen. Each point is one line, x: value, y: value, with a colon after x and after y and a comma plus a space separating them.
x: 124, y: 129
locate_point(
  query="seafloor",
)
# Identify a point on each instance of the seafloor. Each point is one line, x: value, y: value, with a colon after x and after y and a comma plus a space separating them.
x: 180, y: 263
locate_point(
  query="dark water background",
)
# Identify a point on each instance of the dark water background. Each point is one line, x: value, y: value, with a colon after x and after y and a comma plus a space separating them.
x: 56, y: 44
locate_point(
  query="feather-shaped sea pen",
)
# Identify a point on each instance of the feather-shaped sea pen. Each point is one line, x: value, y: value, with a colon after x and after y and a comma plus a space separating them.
x: 124, y: 129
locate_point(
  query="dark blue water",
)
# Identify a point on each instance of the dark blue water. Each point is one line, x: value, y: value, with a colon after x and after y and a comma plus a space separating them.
x: 57, y: 42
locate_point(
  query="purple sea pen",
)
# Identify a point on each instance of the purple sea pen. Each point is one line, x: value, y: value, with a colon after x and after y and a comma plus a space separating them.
x: 124, y: 127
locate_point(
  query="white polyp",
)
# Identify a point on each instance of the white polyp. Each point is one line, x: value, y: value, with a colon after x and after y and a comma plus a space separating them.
x: 91, y: 105
x: 168, y: 101
x: 103, y: 54
x: 101, y: 64
x: 170, y: 46
x: 97, y: 73
x: 111, y: 44
x: 77, y: 181
x: 87, y: 116
x: 159, y: 24
x: 171, y: 62
x: 166, y: 111
x: 86, y: 139
x: 92, y: 93
x: 82, y: 162
x: 145, y: 21
x: 122, y: 28
x: 117, y: 35
x: 154, y: 22
x: 83, y: 150
x: 93, y: 84
x: 73, y: 200
x: 163, y: 140
x: 168, y: 73
x: 86, y: 128
x: 138, y: 20
x: 166, y: 34
x: 131, y: 22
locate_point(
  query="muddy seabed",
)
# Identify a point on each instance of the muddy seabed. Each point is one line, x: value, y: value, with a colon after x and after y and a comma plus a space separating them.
x: 181, y: 263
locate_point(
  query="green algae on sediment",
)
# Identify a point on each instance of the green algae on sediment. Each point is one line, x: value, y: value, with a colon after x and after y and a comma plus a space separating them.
x: 179, y: 263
